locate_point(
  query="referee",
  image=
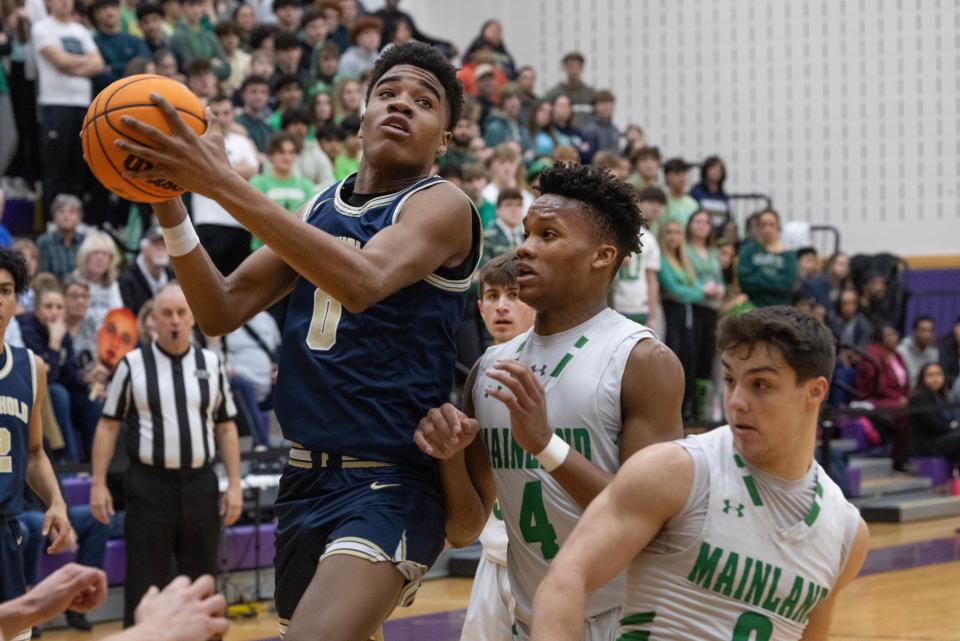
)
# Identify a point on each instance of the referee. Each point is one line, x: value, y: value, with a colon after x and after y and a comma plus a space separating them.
x: 175, y: 401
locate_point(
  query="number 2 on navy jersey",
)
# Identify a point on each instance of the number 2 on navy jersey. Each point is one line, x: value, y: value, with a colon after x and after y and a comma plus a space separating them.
x: 322, y: 334
x: 6, y: 461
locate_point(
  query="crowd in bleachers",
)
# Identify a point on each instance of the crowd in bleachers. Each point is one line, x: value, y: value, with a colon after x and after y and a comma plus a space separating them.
x: 286, y: 81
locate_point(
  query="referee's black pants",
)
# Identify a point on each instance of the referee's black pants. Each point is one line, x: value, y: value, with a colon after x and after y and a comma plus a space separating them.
x: 172, y: 527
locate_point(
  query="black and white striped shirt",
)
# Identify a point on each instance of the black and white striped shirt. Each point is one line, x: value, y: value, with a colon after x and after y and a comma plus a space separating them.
x: 170, y: 405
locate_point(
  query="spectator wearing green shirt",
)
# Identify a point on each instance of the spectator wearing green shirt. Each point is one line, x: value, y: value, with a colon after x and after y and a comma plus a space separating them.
x: 646, y: 169
x: 191, y: 41
x: 289, y: 94
x: 680, y: 205
x: 505, y: 233
x: 311, y: 163
x: 288, y: 52
x: 767, y: 268
x: 348, y: 161
x: 255, y: 93
x: 279, y: 183
x: 705, y: 260
x: 116, y: 47
x: 8, y: 142
x: 679, y: 291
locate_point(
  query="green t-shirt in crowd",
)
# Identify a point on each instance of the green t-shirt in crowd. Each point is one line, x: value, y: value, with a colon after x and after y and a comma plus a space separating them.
x: 290, y: 193
x: 766, y: 277
x: 679, y: 209
x: 343, y: 166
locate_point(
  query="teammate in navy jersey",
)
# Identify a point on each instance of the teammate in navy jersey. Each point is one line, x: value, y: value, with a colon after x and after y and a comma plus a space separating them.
x: 23, y: 386
x: 378, y: 266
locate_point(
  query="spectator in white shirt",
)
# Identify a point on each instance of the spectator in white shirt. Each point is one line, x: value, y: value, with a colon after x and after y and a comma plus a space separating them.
x: 920, y: 347
x: 225, y: 239
x: 67, y: 59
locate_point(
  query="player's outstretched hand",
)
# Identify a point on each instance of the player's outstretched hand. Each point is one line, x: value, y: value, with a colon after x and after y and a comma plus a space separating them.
x: 522, y: 393
x: 444, y: 431
x: 194, y: 162
x: 73, y: 587
x: 183, y: 611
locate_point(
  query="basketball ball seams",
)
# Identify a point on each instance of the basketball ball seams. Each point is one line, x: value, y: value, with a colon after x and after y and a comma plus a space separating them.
x: 107, y: 112
x: 109, y: 161
x: 119, y: 172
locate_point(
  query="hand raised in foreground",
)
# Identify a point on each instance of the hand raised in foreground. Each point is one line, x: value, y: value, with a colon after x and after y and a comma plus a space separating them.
x: 183, y: 611
x: 72, y: 587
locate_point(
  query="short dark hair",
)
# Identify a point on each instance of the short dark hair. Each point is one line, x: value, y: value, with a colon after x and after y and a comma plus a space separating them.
x: 310, y: 15
x: 260, y: 33
x: 285, y: 81
x: 921, y: 319
x: 199, y: 67
x: 295, y: 115
x: 13, y: 261
x: 330, y: 131
x: 249, y: 81
x: 285, y: 41
x: 676, y: 166
x: 220, y: 97
x: 430, y: 59
x: 573, y: 55
x: 604, y: 95
x: 804, y: 251
x: 226, y: 28
x: 499, y: 272
x: 510, y: 193
x: 611, y: 202
x: 276, y: 140
x: 450, y: 171
x: 652, y: 194
x: 646, y: 152
x: 279, y: 4
x: 807, y: 345
x: 145, y: 9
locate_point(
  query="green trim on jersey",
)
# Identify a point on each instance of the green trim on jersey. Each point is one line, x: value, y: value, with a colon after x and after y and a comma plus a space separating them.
x: 583, y: 340
x: 749, y: 482
x: 814, y: 512
x: 640, y: 618
x: 752, y: 489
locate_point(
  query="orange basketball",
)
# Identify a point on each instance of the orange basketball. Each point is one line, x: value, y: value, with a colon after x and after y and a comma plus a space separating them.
x: 102, y: 127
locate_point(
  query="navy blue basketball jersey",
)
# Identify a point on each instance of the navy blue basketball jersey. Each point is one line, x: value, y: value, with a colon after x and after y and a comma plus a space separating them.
x: 18, y: 387
x: 358, y: 384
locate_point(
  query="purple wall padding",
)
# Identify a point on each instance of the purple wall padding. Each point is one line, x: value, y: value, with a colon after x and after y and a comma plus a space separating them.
x: 236, y: 553
x: 76, y: 490
x: 930, y: 295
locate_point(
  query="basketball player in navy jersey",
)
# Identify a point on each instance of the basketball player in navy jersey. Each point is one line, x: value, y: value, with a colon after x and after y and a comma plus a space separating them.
x: 378, y: 266
x: 23, y: 385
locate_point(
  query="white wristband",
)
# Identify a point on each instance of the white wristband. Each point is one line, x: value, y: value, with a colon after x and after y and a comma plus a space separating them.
x: 182, y: 239
x: 554, y: 454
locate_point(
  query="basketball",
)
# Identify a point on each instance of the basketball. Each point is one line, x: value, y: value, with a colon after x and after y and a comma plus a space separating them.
x: 102, y: 127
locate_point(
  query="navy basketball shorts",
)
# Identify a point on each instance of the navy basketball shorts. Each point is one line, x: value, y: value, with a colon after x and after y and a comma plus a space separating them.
x: 11, y: 565
x: 332, y: 505
x: 11, y: 559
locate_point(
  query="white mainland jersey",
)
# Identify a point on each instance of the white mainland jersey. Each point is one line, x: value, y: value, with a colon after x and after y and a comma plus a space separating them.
x: 743, y: 578
x: 581, y: 370
x: 494, y: 537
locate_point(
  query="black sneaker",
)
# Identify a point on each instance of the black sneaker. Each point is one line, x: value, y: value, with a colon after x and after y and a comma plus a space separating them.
x: 78, y: 621
x: 34, y: 633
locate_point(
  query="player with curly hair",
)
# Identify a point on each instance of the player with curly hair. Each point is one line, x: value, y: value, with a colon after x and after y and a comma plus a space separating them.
x: 563, y: 405
x: 378, y: 268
